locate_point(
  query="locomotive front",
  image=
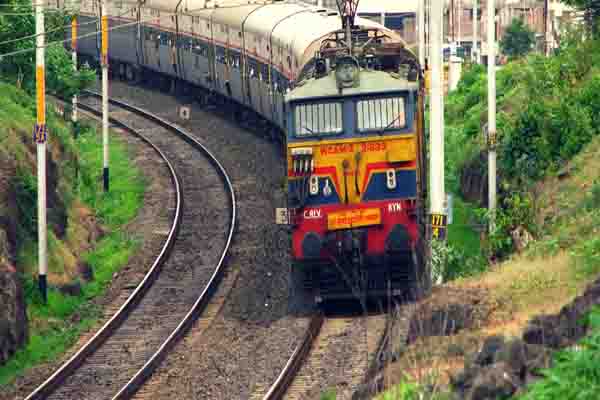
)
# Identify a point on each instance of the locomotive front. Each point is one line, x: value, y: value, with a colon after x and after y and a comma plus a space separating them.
x: 355, y: 182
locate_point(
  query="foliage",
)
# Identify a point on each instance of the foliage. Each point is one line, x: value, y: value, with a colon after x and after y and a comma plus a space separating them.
x: 587, y: 257
x: 515, y: 210
x: 592, y: 12
x: 25, y: 188
x: 329, y: 395
x: 518, y: 39
x: 54, y: 327
x: 465, y: 256
x: 592, y: 200
x: 61, y: 79
x: 451, y: 262
x: 548, y: 110
x: 574, y: 373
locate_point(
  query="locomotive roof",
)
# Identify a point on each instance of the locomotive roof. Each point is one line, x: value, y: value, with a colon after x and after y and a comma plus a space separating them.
x: 371, y: 82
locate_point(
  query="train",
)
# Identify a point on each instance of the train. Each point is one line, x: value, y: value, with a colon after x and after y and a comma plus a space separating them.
x: 343, y: 94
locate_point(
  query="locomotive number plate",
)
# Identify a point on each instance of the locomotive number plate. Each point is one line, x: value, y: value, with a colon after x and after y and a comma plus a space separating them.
x: 353, y: 218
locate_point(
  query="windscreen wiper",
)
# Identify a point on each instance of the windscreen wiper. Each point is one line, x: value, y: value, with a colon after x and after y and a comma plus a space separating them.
x: 389, y: 125
x: 308, y: 129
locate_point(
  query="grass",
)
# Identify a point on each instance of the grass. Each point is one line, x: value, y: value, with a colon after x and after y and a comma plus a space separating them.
x: 574, y: 374
x: 121, y: 203
x: 462, y: 233
x: 53, y: 328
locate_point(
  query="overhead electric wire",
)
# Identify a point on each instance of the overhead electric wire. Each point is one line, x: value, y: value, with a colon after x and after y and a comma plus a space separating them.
x: 24, y: 14
x: 22, y: 51
x: 56, y: 30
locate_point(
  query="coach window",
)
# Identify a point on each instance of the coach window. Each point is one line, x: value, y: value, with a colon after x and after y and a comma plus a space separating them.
x: 318, y: 119
x: 381, y: 114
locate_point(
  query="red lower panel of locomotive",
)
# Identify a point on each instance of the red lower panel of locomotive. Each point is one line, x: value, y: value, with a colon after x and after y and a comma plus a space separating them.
x: 369, y: 249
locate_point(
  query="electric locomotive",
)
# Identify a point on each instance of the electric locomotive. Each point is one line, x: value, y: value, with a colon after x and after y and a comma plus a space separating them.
x: 355, y: 152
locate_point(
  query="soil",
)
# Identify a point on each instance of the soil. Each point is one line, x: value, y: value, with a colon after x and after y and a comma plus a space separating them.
x: 153, y: 219
x: 449, y: 339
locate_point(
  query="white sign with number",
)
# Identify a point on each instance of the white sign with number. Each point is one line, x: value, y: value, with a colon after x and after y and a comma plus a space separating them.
x: 282, y: 216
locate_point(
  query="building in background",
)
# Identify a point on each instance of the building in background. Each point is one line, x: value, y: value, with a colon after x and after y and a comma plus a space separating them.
x: 400, y: 15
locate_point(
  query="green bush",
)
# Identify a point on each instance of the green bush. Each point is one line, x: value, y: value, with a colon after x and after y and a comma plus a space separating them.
x: 515, y: 210
x: 592, y: 199
x: 25, y: 189
x: 587, y: 257
x: 575, y: 374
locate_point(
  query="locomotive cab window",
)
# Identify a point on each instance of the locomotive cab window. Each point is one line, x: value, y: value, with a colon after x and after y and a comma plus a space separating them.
x: 318, y: 119
x: 381, y: 114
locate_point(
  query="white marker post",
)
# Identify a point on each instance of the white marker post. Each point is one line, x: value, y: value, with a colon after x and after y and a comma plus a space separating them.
x: 104, y: 61
x: 40, y: 137
x: 491, y: 50
x: 74, y: 58
x: 437, y: 190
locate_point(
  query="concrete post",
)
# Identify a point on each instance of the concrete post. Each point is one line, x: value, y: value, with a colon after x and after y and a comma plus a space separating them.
x: 40, y: 137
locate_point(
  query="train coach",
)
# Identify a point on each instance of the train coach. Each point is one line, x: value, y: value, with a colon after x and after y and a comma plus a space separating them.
x: 345, y: 98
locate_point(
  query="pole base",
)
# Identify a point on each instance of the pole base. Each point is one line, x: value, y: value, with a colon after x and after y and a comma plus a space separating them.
x: 43, y: 286
x: 105, y: 179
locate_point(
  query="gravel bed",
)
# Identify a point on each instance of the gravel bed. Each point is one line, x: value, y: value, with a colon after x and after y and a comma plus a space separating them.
x: 243, y: 349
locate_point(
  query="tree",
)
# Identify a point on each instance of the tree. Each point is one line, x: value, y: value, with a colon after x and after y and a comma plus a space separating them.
x: 591, y: 10
x: 19, y: 22
x: 518, y: 39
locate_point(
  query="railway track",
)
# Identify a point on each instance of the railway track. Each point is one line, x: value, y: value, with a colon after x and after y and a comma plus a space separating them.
x: 335, y: 353
x: 180, y: 283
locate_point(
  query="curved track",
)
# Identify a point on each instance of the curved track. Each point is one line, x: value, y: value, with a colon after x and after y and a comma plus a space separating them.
x: 335, y: 352
x: 179, y: 284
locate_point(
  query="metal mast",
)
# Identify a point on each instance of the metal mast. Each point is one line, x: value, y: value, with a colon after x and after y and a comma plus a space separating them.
x: 491, y: 52
x: 474, y: 51
x: 74, y: 59
x: 104, y: 62
x: 436, y: 157
x: 421, y: 31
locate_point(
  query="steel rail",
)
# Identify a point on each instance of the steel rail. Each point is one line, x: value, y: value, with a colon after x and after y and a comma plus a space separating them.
x: 291, y: 368
x: 55, y: 380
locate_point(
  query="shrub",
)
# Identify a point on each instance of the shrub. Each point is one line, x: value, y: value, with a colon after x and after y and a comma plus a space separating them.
x: 592, y: 199
x: 574, y: 374
x: 587, y: 257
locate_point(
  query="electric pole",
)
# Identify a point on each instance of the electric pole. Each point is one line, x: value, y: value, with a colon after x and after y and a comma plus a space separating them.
x: 459, y: 13
x: 436, y: 155
x: 451, y: 20
x: 40, y: 136
x: 546, y: 35
x: 474, y: 51
x: 421, y: 32
x: 491, y: 50
x: 74, y: 58
x: 104, y: 61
